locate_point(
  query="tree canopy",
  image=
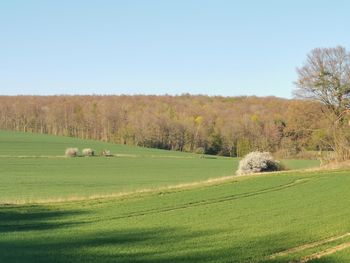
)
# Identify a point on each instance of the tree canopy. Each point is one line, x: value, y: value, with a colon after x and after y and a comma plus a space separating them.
x: 325, y: 77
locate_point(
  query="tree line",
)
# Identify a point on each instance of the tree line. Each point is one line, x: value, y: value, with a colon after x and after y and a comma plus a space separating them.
x: 229, y: 126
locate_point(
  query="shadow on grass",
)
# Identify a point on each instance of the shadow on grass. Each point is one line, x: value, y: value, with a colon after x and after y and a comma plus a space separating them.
x: 40, y: 234
x: 33, y: 218
x: 134, y: 245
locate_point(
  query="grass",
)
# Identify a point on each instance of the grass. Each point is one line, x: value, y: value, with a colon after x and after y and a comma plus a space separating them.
x: 66, y: 177
x: 240, y: 219
x: 243, y: 220
x: 32, y: 167
x: 31, y: 144
x: 300, y: 164
x: 341, y: 256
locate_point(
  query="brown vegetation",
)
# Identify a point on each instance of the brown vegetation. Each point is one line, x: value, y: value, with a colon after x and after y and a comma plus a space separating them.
x: 106, y: 153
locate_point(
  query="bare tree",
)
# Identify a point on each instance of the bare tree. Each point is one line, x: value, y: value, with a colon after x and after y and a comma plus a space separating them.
x: 325, y: 77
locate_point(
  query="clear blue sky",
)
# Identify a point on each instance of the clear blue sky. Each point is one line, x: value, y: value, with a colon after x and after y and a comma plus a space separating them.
x: 217, y: 47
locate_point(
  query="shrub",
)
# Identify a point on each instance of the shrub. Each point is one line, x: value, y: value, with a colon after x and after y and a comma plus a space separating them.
x: 257, y: 162
x: 88, y: 152
x: 71, y: 152
x: 106, y: 153
x: 199, y: 150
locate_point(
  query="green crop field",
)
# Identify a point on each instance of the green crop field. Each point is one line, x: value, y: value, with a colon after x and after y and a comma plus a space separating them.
x: 283, y: 217
x: 33, y: 167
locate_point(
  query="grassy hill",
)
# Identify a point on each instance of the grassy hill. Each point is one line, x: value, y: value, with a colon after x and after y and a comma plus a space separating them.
x: 244, y: 220
x: 32, y: 144
x: 295, y: 216
x: 33, y: 167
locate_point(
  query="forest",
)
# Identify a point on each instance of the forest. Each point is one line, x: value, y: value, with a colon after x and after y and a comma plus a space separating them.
x: 228, y: 126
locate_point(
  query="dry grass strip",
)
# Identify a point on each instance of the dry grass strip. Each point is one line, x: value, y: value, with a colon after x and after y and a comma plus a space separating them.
x: 140, y: 192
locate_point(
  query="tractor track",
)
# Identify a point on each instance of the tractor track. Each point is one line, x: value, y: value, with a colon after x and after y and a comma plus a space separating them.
x: 214, y: 200
x: 316, y: 255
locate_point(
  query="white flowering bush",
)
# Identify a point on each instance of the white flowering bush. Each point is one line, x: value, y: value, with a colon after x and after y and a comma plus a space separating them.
x: 257, y: 162
x: 71, y: 152
x: 88, y: 152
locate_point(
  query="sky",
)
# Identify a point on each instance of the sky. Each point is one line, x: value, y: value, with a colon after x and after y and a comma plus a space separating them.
x: 211, y: 47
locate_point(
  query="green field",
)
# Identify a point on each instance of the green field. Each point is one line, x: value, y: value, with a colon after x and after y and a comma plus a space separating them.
x: 240, y: 219
x: 33, y: 167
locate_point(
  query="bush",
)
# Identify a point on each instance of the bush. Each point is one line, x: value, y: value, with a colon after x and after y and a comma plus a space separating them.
x: 106, y: 153
x: 88, y: 152
x: 257, y: 162
x: 199, y: 150
x: 71, y: 152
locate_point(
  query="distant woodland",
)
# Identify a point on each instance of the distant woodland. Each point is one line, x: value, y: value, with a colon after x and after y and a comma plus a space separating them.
x: 229, y: 126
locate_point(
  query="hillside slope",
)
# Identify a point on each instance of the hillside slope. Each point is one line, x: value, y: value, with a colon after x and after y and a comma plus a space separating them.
x: 33, y: 167
x: 269, y: 218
